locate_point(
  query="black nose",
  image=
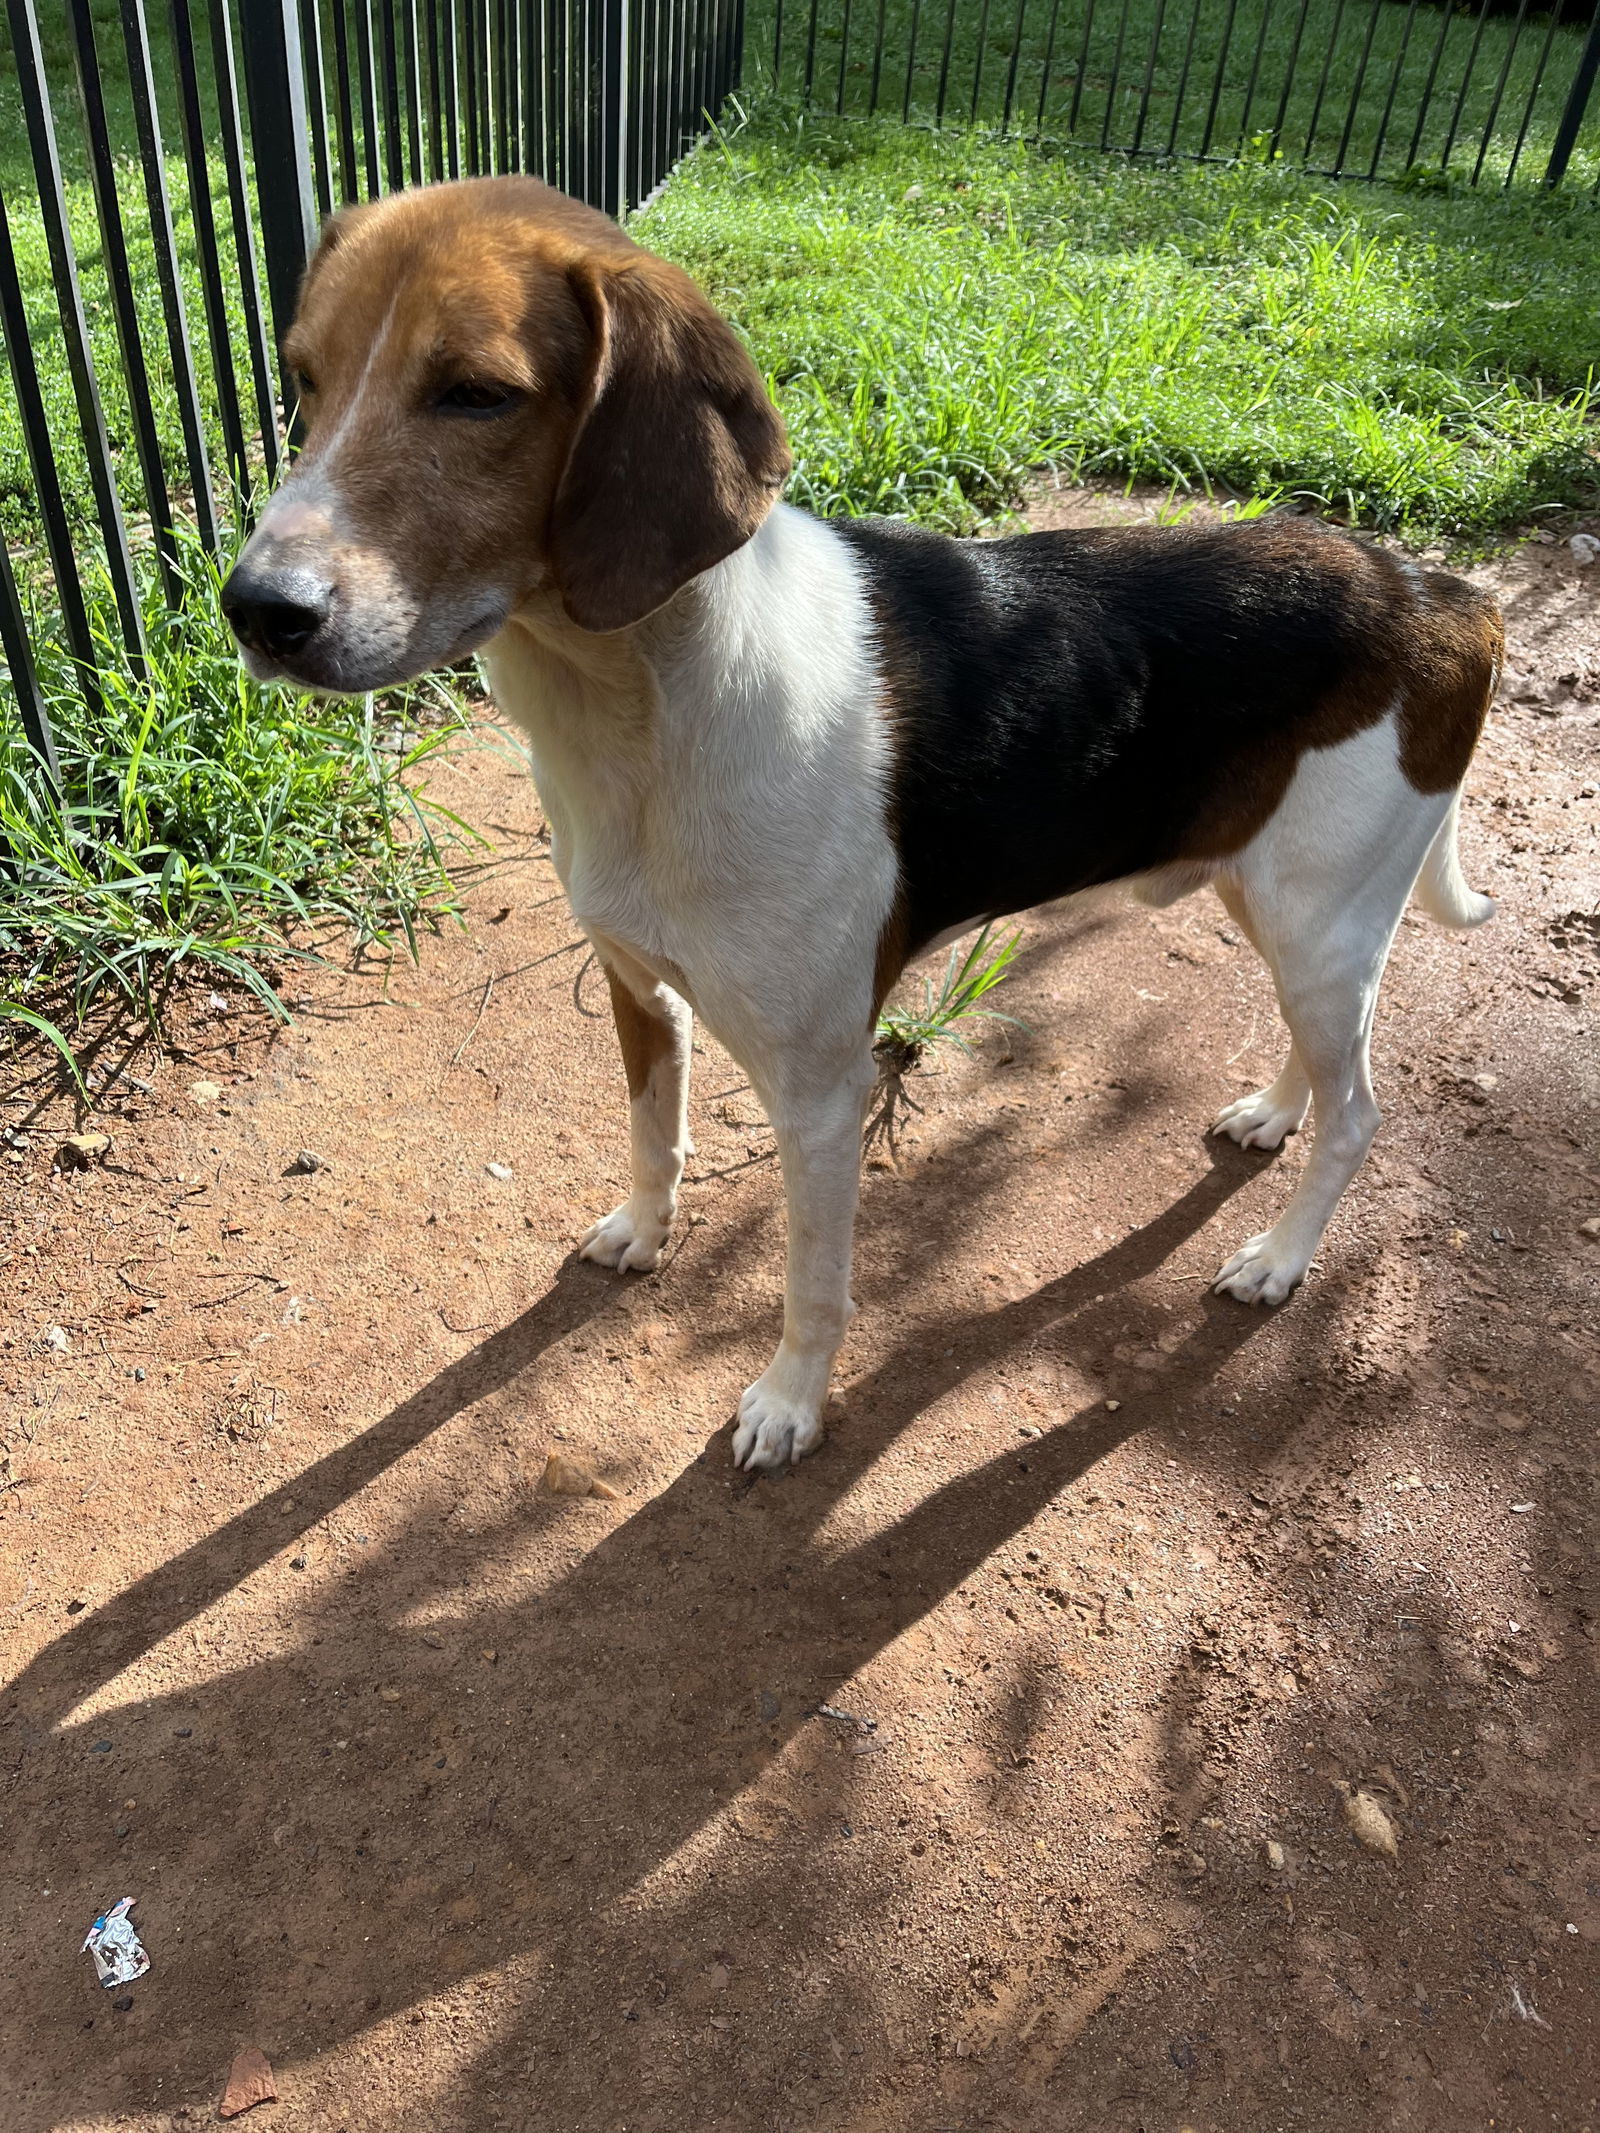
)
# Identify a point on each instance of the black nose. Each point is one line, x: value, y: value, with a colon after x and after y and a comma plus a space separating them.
x: 275, y: 612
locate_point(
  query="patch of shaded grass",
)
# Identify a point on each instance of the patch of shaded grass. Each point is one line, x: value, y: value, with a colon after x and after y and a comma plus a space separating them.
x: 941, y: 315
x: 205, y: 824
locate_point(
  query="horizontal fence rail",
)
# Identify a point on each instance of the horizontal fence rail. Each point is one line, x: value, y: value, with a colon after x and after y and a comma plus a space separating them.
x: 163, y: 167
x: 1493, y: 91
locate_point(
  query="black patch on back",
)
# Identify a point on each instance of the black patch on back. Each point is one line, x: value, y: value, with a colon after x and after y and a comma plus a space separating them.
x: 1072, y: 708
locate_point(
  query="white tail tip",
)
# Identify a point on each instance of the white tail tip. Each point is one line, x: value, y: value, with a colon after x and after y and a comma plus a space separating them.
x: 1442, y: 889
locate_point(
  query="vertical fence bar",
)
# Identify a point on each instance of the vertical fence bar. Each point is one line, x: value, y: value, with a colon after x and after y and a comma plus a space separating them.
x: 1323, y: 78
x: 1499, y: 91
x: 244, y: 236
x: 435, y: 125
x: 1255, y: 74
x: 702, y: 47
x: 163, y: 237
x: 1149, y: 76
x: 124, y: 307
x: 613, y: 104
x: 409, y: 42
x: 1183, y: 77
x: 316, y: 102
x: 483, y: 30
x: 977, y: 60
x: 1218, y: 80
x: 1394, y: 85
x: 394, y: 169
x: 1576, y: 105
x: 277, y: 97
x: 1281, y: 120
x: 344, y: 114
x: 46, y: 480
x: 366, y: 78
x: 1466, y: 84
x: 1427, y: 87
x: 24, y: 681
x: 536, y: 101
x: 1081, y: 75
x: 28, y: 57
x: 1533, y: 93
x: 451, y: 89
x: 1116, y: 76
x: 1011, y: 71
x: 666, y: 48
x: 219, y: 332
x: 469, y: 69
x: 1048, y: 62
x: 1359, y: 84
x: 506, y: 83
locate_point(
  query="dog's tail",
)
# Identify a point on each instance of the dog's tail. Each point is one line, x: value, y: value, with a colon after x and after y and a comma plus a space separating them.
x: 1442, y: 887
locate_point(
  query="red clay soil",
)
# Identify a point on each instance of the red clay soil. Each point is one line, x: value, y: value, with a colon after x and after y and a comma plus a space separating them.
x: 988, y: 1771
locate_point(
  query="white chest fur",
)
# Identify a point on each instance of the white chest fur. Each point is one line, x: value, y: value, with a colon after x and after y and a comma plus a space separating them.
x: 715, y: 779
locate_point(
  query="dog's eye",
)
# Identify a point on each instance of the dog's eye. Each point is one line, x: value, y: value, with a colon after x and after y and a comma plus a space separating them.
x: 306, y: 386
x: 470, y: 399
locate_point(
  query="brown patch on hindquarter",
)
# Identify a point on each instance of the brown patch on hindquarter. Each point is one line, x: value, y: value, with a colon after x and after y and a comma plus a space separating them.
x: 645, y: 1038
x: 1435, y: 646
x: 1452, y: 671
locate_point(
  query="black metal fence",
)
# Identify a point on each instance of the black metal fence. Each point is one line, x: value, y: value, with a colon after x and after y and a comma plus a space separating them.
x: 1492, y: 90
x: 162, y: 171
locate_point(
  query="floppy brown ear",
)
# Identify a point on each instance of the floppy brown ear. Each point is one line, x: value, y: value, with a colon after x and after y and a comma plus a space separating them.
x: 679, y: 453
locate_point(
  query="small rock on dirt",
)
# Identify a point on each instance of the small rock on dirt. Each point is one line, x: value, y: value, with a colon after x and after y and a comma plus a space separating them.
x: 1585, y: 549
x: 1591, y: 1228
x: 306, y: 1163
x: 56, y: 1340
x: 565, y: 1476
x: 1371, y: 1825
x: 205, y: 1092
x: 502, y: 1171
x: 79, y: 1150
x: 1274, y: 1855
x: 249, y: 2082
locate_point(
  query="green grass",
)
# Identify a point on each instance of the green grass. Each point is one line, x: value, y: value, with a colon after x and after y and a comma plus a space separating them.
x: 942, y: 314
x: 206, y: 826
x: 906, y: 1033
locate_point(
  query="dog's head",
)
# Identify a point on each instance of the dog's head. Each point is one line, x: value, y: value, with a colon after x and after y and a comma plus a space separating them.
x: 501, y: 395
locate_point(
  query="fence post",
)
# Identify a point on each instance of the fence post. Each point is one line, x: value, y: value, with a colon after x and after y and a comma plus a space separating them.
x: 275, y: 89
x: 1577, y: 103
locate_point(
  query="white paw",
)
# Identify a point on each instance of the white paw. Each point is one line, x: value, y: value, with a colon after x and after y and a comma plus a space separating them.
x: 1260, y: 1272
x: 624, y: 1240
x: 1260, y: 1121
x: 775, y: 1429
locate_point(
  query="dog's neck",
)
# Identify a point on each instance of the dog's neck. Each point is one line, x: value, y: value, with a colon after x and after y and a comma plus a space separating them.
x: 767, y: 641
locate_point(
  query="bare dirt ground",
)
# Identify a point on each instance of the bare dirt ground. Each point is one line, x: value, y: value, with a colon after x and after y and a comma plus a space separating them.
x: 480, y: 1808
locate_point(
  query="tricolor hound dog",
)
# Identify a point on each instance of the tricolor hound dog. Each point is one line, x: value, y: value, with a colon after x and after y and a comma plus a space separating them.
x: 781, y: 756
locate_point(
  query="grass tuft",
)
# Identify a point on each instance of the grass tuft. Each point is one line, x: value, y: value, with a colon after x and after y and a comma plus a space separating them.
x: 905, y: 1035
x: 205, y: 824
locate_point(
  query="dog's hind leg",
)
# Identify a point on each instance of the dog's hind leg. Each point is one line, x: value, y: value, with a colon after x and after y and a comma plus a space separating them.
x: 1323, y: 887
x: 653, y: 1028
x: 1265, y: 1119
x: 816, y: 1118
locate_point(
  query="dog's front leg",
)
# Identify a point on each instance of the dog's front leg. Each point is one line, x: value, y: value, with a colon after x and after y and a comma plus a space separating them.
x: 818, y: 1131
x: 653, y: 1028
